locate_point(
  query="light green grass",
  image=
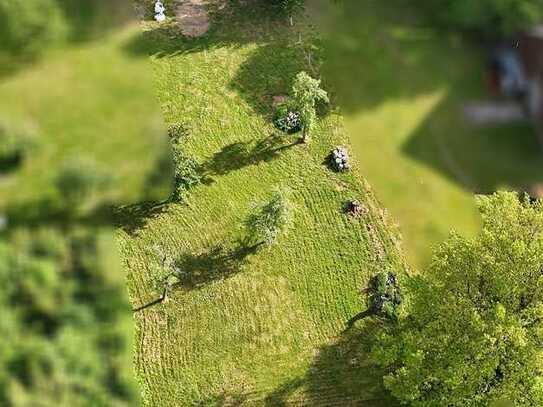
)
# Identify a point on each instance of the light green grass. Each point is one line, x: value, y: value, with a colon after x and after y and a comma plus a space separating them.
x: 401, y: 85
x: 268, y: 330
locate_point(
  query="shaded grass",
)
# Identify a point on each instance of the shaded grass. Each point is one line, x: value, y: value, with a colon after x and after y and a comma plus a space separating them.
x: 401, y: 85
x: 243, y: 334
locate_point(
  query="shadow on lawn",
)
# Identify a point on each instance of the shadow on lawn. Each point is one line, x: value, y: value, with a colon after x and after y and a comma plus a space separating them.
x: 51, y: 211
x: 193, y: 271
x: 481, y: 160
x: 378, y: 53
x: 217, y: 263
x: 340, y: 374
x: 232, y: 25
x: 269, y: 71
x: 238, y: 155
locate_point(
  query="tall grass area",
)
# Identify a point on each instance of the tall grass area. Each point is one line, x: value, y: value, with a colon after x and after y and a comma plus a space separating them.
x: 255, y: 326
x: 401, y: 83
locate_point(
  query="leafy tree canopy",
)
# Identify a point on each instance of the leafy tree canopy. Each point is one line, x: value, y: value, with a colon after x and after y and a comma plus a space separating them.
x: 474, y: 335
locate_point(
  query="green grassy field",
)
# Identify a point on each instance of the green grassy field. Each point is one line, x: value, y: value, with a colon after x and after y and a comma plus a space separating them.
x: 401, y: 84
x: 262, y: 327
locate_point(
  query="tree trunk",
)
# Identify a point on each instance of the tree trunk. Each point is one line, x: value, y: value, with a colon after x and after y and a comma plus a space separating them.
x: 291, y: 21
x: 304, y: 134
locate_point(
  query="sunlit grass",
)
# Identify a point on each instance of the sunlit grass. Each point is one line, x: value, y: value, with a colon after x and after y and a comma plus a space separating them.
x: 256, y: 334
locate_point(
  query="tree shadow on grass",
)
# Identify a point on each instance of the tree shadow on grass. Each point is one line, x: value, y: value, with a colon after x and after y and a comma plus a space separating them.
x: 232, y: 25
x: 217, y: 263
x: 340, y: 374
x: 269, y: 71
x: 376, y: 52
x: 479, y: 159
x: 241, y: 154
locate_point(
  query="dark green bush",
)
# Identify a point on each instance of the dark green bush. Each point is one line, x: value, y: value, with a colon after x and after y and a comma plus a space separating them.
x: 384, y: 295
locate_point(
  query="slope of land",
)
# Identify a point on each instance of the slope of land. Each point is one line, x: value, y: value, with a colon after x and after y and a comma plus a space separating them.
x: 255, y: 326
x: 402, y: 83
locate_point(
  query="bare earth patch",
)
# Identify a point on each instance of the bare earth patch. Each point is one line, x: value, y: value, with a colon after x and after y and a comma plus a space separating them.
x: 192, y: 17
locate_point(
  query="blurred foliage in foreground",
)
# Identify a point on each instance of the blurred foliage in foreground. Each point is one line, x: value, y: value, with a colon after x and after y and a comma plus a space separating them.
x: 63, y: 331
x: 79, y: 137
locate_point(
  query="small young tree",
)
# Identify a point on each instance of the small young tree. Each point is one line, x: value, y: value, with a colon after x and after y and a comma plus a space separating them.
x: 270, y: 218
x: 306, y: 93
x: 187, y: 174
x: 474, y: 335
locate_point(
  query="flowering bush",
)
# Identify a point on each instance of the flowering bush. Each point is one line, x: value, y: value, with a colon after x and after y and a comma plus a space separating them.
x: 287, y: 119
x: 339, y: 159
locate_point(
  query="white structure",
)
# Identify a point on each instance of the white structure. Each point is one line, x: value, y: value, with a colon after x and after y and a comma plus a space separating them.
x: 159, y: 11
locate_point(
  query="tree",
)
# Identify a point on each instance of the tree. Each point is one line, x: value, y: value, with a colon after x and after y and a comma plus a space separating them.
x: 474, y: 334
x: 306, y: 93
x: 270, y: 218
x: 187, y: 174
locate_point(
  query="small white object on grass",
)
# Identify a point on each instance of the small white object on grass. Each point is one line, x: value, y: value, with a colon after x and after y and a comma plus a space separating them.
x: 159, y: 11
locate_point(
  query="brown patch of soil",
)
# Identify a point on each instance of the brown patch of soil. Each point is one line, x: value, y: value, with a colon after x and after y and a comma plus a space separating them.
x: 192, y: 17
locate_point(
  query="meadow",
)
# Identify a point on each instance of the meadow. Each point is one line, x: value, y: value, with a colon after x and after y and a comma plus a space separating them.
x: 259, y: 326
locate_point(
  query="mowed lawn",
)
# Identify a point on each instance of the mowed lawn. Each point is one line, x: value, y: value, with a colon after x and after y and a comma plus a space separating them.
x: 262, y: 327
x: 402, y: 84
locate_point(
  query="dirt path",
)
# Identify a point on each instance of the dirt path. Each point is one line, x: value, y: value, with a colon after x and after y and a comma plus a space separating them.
x: 192, y: 17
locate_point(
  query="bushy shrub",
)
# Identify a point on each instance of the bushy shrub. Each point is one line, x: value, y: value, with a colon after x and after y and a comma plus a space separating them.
x: 287, y: 119
x: 27, y: 27
x: 339, y: 159
x: 187, y: 174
